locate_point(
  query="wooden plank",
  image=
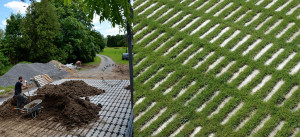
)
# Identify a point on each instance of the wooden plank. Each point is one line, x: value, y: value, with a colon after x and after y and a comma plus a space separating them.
x: 50, y: 79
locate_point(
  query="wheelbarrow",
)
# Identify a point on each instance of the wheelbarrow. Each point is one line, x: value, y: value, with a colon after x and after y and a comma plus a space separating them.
x: 33, y: 108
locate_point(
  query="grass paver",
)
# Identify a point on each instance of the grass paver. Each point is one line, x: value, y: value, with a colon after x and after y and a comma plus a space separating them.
x: 247, y: 56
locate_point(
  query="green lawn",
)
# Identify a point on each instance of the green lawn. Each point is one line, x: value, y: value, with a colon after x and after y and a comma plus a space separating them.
x: 97, y: 61
x: 7, y: 89
x: 115, y: 54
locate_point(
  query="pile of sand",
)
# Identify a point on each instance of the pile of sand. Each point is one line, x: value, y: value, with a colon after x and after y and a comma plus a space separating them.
x: 62, y: 103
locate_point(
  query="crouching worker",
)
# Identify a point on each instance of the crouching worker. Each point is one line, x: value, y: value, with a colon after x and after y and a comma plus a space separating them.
x: 18, y: 92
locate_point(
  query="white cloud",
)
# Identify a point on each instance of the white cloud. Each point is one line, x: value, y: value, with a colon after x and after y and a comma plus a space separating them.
x: 105, y: 27
x: 4, y: 22
x: 112, y: 31
x: 96, y: 19
x: 17, y: 6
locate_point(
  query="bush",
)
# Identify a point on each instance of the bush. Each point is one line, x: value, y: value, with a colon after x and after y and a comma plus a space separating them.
x: 3, y: 62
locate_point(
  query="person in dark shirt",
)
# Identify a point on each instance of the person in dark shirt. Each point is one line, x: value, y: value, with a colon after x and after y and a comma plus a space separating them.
x: 18, y: 92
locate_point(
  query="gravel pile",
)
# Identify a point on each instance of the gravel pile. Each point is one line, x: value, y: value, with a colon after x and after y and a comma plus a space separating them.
x: 28, y: 71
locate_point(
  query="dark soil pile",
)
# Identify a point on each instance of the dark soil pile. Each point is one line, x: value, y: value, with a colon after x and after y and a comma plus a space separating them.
x: 6, y: 109
x: 75, y: 87
x: 61, y: 103
x: 69, y: 110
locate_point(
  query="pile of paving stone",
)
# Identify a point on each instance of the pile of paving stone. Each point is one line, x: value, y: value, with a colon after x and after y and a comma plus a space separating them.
x: 28, y: 71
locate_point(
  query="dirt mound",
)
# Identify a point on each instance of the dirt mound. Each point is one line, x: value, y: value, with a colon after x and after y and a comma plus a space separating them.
x: 75, y: 87
x: 62, y: 103
x: 6, y: 109
x: 70, y: 110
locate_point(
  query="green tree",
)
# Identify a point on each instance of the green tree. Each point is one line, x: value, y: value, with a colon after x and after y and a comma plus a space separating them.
x: 73, y: 9
x: 1, y: 34
x: 76, y: 40
x: 3, y: 59
x: 40, y: 27
x: 115, y: 11
x: 76, y: 37
x: 116, y: 41
x: 13, y: 38
x: 98, y: 39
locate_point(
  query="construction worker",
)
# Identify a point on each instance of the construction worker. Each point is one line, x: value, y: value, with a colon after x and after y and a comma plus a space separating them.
x: 18, y: 92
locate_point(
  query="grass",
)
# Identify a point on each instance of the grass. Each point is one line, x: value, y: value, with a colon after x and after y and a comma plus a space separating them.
x: 115, y: 54
x: 90, y: 65
x: 6, y: 89
x: 159, y: 52
x: 6, y: 69
x: 97, y: 61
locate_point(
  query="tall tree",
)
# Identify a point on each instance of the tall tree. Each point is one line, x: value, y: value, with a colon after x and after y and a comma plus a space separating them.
x: 116, y: 41
x: 1, y: 34
x: 76, y: 40
x: 76, y: 32
x: 98, y: 39
x: 13, y: 38
x: 73, y: 9
x: 40, y: 27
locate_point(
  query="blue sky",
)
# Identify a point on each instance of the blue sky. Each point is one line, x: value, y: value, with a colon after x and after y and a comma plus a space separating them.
x: 14, y: 6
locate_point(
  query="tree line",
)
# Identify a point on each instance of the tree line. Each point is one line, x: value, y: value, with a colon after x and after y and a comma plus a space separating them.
x: 50, y: 30
x: 116, y: 41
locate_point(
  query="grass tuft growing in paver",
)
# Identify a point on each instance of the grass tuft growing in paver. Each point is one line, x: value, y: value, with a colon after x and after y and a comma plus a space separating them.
x: 217, y: 68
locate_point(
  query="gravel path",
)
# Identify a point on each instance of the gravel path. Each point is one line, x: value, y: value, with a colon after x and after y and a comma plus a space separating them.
x: 105, y: 62
x: 107, y: 70
x: 106, y: 65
